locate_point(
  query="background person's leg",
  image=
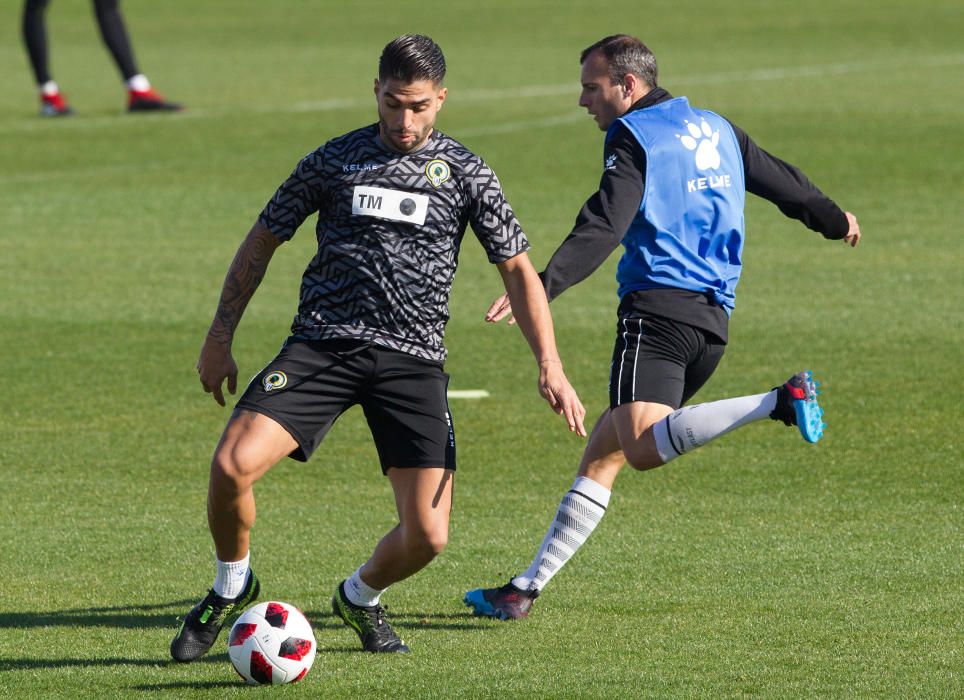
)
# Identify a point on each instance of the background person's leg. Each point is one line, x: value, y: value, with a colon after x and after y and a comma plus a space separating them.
x: 35, y: 38
x: 113, y: 30
x: 52, y: 102
x: 110, y: 21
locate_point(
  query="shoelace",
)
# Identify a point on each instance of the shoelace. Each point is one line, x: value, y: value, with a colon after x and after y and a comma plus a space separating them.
x: 380, y: 614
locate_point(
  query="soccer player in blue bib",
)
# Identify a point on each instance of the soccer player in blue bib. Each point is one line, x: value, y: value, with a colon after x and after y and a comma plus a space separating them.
x: 393, y: 201
x: 672, y: 193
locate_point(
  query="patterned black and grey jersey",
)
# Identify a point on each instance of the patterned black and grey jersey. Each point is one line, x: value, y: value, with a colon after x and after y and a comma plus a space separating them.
x: 389, y: 230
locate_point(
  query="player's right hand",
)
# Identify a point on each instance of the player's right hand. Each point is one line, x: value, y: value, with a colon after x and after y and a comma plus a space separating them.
x: 499, y: 309
x: 214, y: 365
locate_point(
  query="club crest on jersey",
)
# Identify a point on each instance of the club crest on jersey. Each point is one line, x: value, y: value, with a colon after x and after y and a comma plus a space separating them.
x: 437, y: 172
x: 274, y: 381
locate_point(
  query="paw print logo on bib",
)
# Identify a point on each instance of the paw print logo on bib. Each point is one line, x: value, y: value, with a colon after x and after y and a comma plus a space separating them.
x: 703, y: 140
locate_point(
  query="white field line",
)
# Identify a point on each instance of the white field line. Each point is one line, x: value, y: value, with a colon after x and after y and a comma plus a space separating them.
x: 120, y: 168
x: 521, y: 92
x: 467, y: 394
x: 468, y: 95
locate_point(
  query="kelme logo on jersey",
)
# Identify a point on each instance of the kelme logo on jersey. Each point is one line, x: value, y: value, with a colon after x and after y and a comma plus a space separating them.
x: 437, y: 171
x: 274, y: 381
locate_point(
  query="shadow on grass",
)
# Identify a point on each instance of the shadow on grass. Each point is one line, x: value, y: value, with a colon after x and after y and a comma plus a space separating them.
x: 186, y: 685
x: 409, y: 620
x: 167, y: 615
x: 30, y: 664
x: 123, y: 616
x: 456, y: 621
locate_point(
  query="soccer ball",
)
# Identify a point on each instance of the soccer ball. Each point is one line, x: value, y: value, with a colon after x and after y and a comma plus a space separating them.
x: 272, y: 643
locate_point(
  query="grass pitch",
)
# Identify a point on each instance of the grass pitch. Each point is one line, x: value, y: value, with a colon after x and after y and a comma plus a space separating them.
x: 758, y: 566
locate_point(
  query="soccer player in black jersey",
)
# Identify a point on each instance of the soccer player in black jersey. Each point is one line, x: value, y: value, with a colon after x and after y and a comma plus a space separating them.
x: 393, y: 202
x: 672, y: 193
x: 141, y: 97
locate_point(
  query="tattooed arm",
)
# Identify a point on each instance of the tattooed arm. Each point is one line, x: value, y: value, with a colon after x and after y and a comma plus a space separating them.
x: 245, y: 274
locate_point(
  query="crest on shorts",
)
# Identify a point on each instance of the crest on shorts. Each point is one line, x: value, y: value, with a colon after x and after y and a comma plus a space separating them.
x: 274, y: 381
x: 437, y: 171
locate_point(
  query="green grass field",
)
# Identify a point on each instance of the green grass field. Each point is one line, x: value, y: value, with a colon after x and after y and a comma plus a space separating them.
x: 758, y: 566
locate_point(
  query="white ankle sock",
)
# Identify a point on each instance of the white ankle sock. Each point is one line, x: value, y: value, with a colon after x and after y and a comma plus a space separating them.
x: 694, y: 426
x: 579, y: 512
x: 49, y: 88
x: 138, y: 83
x: 231, y: 577
x: 359, y: 592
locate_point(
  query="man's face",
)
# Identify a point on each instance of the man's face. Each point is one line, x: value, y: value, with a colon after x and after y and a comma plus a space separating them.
x: 407, y: 112
x: 603, y: 100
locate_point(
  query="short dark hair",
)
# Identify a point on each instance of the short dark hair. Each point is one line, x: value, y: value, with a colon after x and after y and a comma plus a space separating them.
x: 625, y: 54
x: 410, y: 58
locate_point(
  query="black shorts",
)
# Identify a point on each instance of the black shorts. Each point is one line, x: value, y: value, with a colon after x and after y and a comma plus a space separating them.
x: 310, y: 383
x: 658, y: 360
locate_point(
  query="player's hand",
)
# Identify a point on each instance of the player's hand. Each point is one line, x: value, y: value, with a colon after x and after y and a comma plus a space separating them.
x: 556, y: 389
x: 499, y: 310
x: 853, y: 234
x: 214, y: 366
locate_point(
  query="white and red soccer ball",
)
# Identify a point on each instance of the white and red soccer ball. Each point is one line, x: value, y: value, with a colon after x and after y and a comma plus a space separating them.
x: 272, y: 643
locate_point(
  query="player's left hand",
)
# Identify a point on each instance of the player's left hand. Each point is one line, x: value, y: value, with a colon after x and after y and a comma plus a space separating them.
x: 853, y: 234
x: 556, y: 389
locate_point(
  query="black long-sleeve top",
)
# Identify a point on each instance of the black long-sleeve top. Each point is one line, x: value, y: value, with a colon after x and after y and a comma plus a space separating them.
x: 607, y: 215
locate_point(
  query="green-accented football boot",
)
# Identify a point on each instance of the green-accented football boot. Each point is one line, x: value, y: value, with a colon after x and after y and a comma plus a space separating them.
x: 376, y: 635
x: 202, y: 625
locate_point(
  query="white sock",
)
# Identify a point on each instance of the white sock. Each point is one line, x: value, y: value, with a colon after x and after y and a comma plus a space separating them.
x: 138, y: 83
x: 694, y: 426
x: 232, y: 575
x: 579, y: 512
x: 359, y: 592
x: 49, y: 88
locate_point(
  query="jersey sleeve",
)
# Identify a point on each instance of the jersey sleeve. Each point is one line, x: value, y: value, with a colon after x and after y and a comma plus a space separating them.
x: 491, y: 217
x: 789, y: 189
x: 604, y: 218
x: 298, y: 197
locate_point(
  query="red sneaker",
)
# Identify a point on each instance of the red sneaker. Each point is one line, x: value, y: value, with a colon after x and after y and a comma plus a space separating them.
x: 150, y: 101
x: 54, y: 106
